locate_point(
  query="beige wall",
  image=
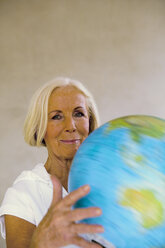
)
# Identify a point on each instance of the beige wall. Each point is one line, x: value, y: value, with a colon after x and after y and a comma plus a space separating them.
x: 116, y: 47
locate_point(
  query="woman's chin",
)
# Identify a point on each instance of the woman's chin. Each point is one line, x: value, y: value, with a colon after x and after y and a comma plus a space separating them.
x: 70, y: 155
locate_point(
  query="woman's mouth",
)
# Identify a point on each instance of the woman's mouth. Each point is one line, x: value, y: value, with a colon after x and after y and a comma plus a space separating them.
x: 72, y: 141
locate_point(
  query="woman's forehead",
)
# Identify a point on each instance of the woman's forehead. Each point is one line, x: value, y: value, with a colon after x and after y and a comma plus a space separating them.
x: 67, y: 96
x: 66, y: 89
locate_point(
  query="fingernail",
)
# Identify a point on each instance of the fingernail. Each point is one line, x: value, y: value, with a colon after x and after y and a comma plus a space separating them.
x: 86, y: 187
x: 98, y: 211
x: 100, y: 229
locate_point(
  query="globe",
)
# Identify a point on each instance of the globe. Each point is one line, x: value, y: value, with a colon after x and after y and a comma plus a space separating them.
x: 123, y: 161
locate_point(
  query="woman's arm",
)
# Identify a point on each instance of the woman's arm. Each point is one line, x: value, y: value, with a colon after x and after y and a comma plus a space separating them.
x: 18, y: 232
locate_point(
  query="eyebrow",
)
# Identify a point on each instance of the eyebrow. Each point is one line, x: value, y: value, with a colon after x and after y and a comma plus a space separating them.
x: 79, y: 107
x: 59, y: 111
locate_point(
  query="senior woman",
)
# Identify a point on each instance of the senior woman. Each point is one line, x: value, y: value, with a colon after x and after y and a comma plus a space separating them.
x: 37, y: 210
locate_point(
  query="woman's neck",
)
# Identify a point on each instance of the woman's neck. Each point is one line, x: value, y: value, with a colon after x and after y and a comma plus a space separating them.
x: 59, y: 168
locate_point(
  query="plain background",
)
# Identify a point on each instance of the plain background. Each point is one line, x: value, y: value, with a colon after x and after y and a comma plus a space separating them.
x: 115, y: 47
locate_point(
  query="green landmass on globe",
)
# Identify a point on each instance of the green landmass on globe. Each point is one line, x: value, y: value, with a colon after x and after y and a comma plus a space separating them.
x: 150, y: 126
x: 132, y: 159
x: 144, y: 202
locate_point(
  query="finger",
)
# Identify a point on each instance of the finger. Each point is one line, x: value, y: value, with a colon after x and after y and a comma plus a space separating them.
x: 85, y: 228
x: 75, y: 195
x: 84, y: 243
x: 83, y: 213
x: 57, y: 190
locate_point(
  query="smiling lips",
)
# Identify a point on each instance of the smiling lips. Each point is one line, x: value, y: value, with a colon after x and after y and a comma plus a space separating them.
x: 72, y: 141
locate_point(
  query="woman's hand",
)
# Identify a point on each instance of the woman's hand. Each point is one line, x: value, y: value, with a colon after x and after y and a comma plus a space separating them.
x: 59, y: 228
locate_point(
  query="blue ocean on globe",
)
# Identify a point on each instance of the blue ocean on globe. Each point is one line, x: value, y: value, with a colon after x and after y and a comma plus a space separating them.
x: 123, y: 161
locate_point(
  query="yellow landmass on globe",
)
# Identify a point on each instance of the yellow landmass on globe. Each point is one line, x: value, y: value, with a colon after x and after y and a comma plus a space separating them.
x: 145, y: 203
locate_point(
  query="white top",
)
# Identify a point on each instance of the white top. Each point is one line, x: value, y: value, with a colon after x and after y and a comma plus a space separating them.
x: 30, y: 197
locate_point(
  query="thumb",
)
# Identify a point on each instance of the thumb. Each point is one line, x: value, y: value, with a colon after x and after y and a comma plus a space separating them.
x: 57, y: 190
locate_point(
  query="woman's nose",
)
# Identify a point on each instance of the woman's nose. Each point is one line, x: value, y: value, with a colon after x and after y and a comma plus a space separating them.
x: 70, y: 125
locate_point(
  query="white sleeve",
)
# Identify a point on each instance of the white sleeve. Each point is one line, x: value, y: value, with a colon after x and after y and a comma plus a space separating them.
x: 17, y: 203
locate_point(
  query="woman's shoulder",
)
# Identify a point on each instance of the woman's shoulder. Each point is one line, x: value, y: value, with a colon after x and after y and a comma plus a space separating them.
x: 28, y: 184
x: 31, y: 186
x: 29, y: 197
x: 37, y: 174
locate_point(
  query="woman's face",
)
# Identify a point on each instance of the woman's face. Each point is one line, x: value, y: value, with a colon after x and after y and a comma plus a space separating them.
x: 68, y: 122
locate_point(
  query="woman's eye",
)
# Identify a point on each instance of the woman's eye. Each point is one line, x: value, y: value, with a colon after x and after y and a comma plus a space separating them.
x: 56, y: 117
x: 79, y: 114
